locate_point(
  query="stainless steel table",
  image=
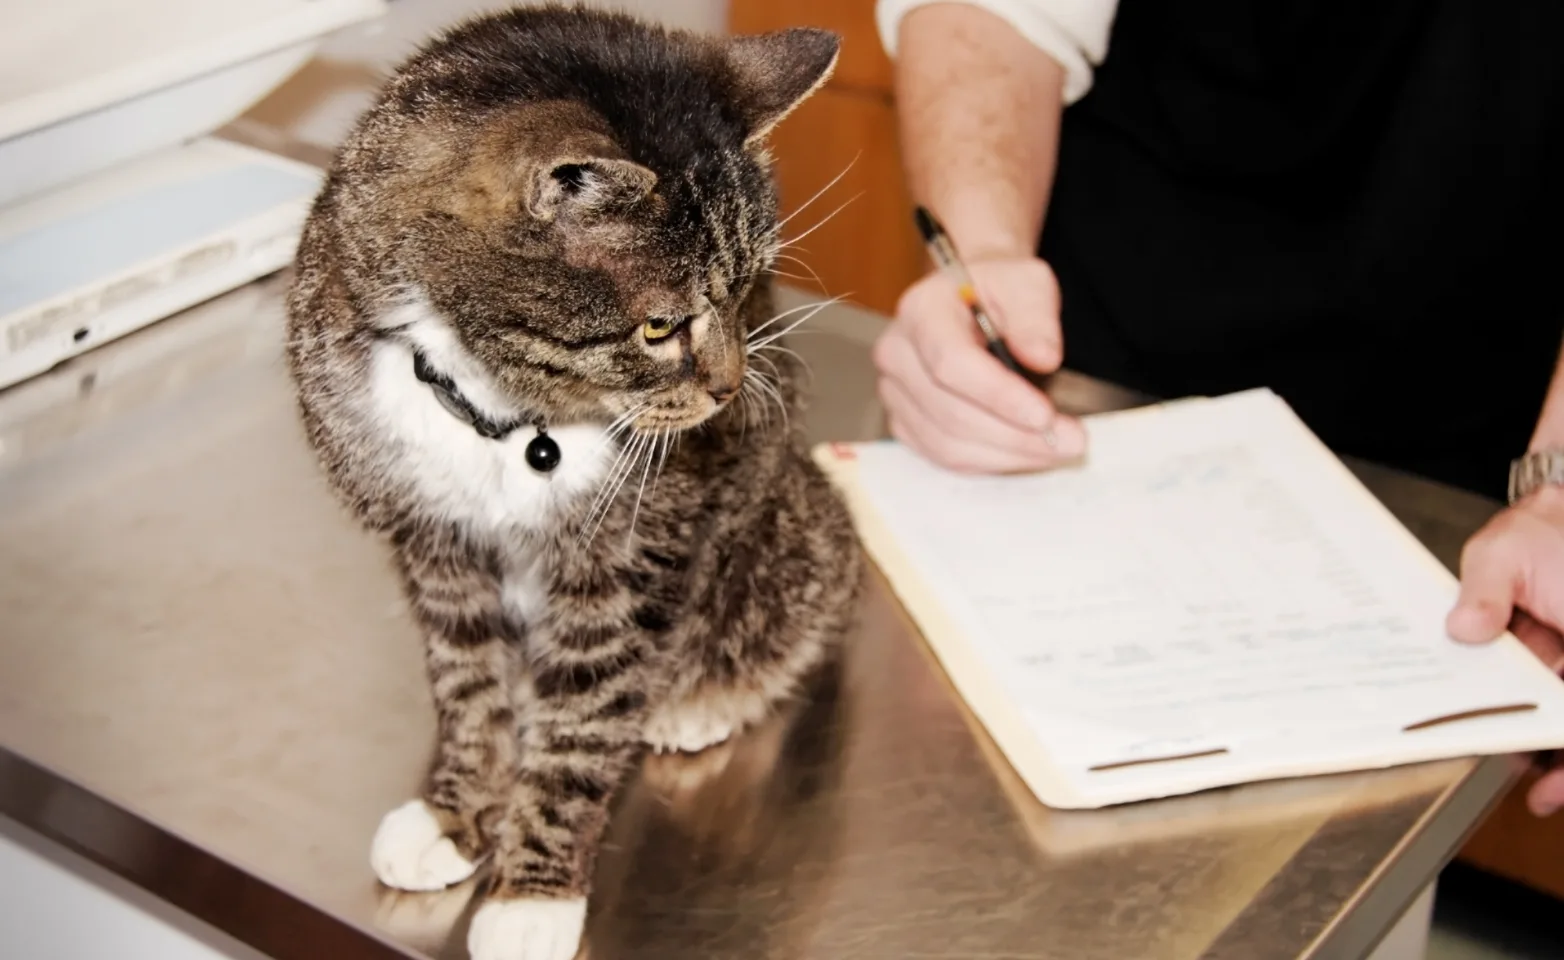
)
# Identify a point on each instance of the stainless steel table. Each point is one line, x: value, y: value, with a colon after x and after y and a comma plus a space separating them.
x: 208, y: 684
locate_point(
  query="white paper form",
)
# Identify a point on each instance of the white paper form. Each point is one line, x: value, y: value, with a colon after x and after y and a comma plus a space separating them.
x: 1211, y: 581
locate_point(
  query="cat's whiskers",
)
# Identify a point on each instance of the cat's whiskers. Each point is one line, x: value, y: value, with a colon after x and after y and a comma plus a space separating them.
x: 669, y: 439
x: 651, y: 454
x: 602, y: 493
x: 821, y: 192
x: 759, y: 353
x: 768, y: 390
x: 750, y: 340
x: 623, y: 466
x: 754, y: 345
x: 793, y: 243
x: 746, y: 411
x: 758, y: 357
x: 624, y: 418
x: 786, y: 276
x: 615, y: 483
x: 778, y: 255
x: 619, y: 425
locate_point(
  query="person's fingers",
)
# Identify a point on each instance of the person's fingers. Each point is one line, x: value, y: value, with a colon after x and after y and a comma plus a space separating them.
x: 956, y: 451
x: 908, y: 386
x: 1023, y: 296
x: 951, y: 347
x: 1547, y: 794
x: 1514, y: 562
x: 1491, y: 572
x: 957, y: 364
x: 956, y: 455
x: 1542, y: 640
x: 955, y: 402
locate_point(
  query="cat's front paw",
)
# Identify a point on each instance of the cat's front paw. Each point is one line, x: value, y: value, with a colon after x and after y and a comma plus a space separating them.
x: 411, y: 851
x: 527, y: 929
x: 688, y: 728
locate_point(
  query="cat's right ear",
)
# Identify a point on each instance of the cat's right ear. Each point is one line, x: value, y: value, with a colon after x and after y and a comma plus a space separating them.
x: 587, y: 184
x: 775, y: 72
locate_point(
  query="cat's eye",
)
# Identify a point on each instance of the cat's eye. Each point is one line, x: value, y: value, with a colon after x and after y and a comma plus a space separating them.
x: 659, y: 328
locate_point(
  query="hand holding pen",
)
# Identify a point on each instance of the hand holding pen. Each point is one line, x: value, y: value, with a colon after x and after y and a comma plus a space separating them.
x: 943, y: 252
x: 962, y: 363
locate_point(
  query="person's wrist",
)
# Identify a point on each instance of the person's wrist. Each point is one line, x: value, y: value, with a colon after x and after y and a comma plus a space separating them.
x: 979, y: 233
x: 1540, y: 469
x: 976, y: 242
x: 1550, y: 437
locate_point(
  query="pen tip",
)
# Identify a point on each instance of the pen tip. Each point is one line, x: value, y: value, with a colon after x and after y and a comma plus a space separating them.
x: 926, y: 224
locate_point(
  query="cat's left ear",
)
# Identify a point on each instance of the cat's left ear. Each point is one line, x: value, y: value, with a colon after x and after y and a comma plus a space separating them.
x: 588, y: 184
x: 775, y: 72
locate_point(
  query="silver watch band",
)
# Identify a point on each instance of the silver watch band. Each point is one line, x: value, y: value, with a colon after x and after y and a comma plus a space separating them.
x: 1536, y: 469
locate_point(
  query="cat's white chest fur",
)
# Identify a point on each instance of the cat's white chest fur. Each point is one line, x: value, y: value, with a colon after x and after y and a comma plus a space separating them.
x: 467, y: 477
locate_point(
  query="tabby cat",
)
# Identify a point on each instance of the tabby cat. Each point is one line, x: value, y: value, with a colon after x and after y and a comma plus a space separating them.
x: 532, y: 331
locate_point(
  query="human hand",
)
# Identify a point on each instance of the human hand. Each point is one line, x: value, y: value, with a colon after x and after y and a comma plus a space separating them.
x: 1512, y: 576
x: 951, y: 400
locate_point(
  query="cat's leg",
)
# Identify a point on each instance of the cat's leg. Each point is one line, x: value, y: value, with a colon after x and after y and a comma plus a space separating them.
x: 439, y: 838
x: 596, y: 665
x: 704, y: 718
x: 777, y: 596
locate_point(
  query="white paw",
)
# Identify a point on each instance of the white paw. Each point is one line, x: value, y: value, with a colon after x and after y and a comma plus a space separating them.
x: 411, y: 852
x: 689, y: 728
x: 532, y: 929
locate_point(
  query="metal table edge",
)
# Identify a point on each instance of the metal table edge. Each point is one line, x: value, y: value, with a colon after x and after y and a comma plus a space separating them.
x: 178, y: 872
x: 1417, y: 861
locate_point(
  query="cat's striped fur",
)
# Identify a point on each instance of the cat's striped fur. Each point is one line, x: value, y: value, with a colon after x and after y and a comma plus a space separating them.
x: 529, y: 189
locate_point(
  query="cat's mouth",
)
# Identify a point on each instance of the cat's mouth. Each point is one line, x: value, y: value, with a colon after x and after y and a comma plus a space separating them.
x: 663, y: 418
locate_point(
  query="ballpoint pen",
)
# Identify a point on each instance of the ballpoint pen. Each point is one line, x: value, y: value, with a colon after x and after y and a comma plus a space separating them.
x: 944, y: 254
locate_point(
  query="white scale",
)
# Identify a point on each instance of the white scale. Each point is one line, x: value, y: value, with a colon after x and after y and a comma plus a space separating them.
x: 116, y: 208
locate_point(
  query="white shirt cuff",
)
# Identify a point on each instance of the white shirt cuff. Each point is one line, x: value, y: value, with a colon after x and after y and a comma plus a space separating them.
x: 1073, y: 32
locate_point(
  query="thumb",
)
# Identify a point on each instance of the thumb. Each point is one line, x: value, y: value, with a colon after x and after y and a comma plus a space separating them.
x: 1490, y: 579
x: 1024, y: 297
x: 1547, y: 794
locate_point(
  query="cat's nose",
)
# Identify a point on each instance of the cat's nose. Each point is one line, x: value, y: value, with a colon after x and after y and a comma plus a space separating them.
x: 723, y: 393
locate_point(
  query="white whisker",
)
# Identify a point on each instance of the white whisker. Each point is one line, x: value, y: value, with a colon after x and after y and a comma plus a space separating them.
x: 767, y: 361
x: 613, y: 491
x: 779, y: 255
x: 787, y: 276
x: 788, y: 313
x: 759, y: 353
x: 620, y: 424
x: 646, y: 470
x: 624, y: 418
x: 762, y: 412
x: 770, y: 390
x: 821, y: 192
x: 771, y: 338
x: 617, y: 475
x: 746, y: 409
x: 662, y: 458
x: 823, y: 221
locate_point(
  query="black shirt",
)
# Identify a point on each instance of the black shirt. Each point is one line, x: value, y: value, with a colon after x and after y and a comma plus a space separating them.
x: 1357, y: 203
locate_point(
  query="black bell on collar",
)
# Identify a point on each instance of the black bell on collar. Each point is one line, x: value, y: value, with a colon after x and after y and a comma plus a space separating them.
x: 542, y: 452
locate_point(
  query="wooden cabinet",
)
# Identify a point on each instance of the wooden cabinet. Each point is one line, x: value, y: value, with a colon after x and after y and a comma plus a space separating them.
x: 1517, y: 846
x: 869, y: 252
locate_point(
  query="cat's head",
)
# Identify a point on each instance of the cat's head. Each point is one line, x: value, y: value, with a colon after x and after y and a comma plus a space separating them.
x: 585, y: 199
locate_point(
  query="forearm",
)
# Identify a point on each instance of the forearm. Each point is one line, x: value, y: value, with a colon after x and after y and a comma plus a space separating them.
x: 979, y: 108
x: 1550, y: 425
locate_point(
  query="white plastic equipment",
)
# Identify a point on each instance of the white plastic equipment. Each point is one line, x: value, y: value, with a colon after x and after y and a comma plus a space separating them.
x: 115, y: 209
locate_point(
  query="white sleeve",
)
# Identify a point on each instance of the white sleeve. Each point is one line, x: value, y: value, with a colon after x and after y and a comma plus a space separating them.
x: 1073, y: 32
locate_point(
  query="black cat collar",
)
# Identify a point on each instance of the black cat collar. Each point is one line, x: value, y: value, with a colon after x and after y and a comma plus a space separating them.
x: 542, y: 451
